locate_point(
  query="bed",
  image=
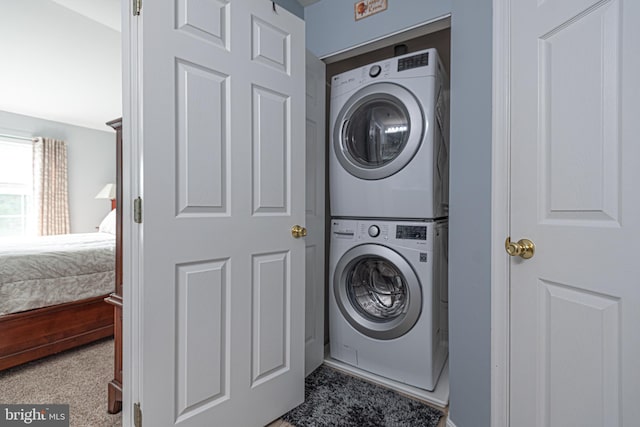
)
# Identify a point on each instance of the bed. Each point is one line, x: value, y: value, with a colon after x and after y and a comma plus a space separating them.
x: 52, y: 292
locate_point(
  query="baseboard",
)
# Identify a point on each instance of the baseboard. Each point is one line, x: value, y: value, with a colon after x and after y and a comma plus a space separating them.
x: 450, y: 423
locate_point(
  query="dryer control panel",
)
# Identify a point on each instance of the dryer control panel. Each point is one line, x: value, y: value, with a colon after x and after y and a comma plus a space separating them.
x: 415, y: 61
x: 417, y: 64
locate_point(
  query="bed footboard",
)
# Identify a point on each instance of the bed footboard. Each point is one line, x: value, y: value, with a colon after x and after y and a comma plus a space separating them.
x: 34, y: 334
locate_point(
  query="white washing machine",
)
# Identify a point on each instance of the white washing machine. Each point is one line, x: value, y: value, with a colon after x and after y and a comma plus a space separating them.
x: 385, y: 298
x: 389, y: 151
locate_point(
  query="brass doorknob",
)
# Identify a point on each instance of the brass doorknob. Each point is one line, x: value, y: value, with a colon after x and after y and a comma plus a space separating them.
x: 298, y: 231
x: 523, y: 248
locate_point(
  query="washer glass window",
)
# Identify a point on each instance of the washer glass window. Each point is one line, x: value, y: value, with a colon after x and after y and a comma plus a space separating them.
x: 377, y: 289
x: 376, y: 132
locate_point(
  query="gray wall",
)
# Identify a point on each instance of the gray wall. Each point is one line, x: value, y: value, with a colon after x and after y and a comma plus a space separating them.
x: 330, y: 29
x: 292, y: 6
x: 91, y: 163
x: 470, y: 213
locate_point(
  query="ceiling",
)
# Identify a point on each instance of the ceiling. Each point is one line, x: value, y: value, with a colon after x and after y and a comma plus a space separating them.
x: 61, y: 60
x: 106, y: 12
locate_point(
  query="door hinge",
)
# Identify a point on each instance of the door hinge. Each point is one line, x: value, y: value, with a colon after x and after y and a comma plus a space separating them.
x: 137, y: 415
x: 137, y: 210
x: 137, y: 6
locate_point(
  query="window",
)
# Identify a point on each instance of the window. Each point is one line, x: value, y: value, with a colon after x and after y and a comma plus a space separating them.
x: 16, y: 189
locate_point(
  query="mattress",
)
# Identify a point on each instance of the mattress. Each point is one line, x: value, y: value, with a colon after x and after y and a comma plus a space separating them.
x: 50, y: 270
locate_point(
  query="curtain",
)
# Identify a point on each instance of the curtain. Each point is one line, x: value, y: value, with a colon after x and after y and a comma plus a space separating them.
x: 50, y: 186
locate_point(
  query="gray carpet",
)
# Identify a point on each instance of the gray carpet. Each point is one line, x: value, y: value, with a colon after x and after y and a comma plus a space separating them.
x: 336, y: 399
x: 78, y: 377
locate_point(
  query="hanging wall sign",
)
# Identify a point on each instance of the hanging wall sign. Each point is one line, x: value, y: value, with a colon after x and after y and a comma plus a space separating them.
x: 365, y: 8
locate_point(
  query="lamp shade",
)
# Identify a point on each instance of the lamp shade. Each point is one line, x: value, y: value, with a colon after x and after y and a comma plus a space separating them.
x: 108, y: 192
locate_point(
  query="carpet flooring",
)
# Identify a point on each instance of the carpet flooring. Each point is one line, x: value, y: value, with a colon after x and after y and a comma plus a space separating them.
x: 333, y: 398
x: 78, y: 377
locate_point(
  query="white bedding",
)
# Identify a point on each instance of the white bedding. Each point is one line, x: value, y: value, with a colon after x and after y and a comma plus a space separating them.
x: 49, y: 270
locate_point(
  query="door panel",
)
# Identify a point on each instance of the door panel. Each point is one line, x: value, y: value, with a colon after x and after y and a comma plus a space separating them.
x: 576, y: 325
x: 222, y: 290
x: 271, y: 311
x: 574, y: 161
x: 202, y: 354
x: 271, y: 150
x: 578, y: 123
x: 205, y: 20
x: 271, y: 45
x: 202, y: 181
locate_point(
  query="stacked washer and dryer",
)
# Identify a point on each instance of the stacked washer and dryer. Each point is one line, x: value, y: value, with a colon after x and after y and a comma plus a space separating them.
x: 389, y: 168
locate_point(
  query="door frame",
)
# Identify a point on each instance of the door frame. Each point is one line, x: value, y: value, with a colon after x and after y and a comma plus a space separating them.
x: 500, y: 216
x: 131, y: 188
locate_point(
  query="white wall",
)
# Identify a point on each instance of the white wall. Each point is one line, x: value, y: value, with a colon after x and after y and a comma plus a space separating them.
x: 91, y: 163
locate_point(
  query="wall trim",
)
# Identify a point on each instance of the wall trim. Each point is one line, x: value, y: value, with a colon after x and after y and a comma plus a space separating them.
x: 131, y: 237
x: 500, y: 217
x: 450, y: 423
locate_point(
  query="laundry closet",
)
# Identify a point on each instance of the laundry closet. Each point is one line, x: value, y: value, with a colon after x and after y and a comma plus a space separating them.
x: 386, y: 230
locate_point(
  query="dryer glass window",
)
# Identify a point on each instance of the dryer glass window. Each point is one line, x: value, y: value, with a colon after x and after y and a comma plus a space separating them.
x: 377, y: 289
x: 376, y: 133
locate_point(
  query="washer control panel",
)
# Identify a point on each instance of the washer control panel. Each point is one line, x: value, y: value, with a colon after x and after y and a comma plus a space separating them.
x: 375, y: 70
x: 411, y: 232
x: 373, y: 231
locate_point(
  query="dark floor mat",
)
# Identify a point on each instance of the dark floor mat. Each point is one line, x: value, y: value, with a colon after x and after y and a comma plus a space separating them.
x: 336, y: 399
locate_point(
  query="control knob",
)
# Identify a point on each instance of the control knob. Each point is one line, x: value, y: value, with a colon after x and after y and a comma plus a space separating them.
x: 374, y: 231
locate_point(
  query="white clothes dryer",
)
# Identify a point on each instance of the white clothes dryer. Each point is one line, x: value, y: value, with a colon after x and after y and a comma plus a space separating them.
x: 385, y: 302
x: 389, y: 150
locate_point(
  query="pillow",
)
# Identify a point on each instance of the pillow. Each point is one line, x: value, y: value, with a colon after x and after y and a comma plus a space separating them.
x: 108, y: 224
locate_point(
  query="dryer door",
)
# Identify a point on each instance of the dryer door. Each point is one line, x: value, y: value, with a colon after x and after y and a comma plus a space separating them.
x: 377, y: 291
x: 378, y: 131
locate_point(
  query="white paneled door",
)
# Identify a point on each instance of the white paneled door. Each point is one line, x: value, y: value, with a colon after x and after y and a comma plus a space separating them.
x: 575, y: 169
x: 222, y: 125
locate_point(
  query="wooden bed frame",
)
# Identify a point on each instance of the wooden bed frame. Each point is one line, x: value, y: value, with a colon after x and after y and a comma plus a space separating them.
x: 32, y: 334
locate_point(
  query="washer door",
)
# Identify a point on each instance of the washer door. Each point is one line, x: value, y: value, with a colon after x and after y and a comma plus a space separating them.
x: 377, y: 291
x: 378, y: 131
